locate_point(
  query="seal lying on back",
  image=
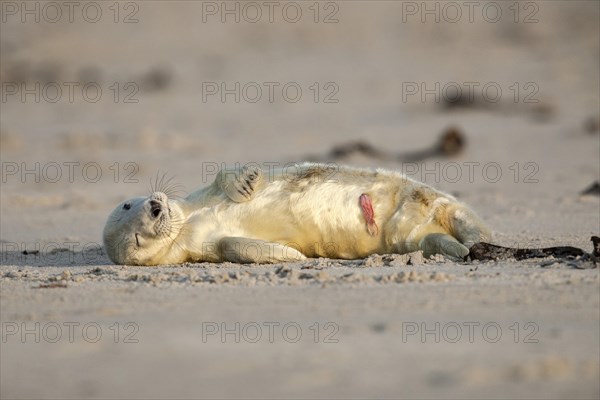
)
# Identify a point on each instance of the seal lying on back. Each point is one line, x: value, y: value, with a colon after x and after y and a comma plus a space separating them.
x: 311, y: 210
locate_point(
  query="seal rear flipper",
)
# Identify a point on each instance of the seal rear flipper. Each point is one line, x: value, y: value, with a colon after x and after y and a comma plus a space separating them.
x: 244, y: 251
x: 440, y: 243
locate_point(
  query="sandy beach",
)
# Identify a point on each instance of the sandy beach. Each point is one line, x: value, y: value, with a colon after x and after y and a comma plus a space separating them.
x: 95, y: 105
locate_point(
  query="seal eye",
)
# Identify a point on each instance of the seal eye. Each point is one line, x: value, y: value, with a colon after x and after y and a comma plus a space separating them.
x: 126, y: 206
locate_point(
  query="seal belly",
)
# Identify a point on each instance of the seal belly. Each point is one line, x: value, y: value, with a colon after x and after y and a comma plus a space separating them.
x: 320, y: 220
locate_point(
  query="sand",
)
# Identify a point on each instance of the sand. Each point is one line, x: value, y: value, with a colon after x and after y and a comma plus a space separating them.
x: 76, y: 326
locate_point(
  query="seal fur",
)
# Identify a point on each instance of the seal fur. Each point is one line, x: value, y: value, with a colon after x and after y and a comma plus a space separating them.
x: 310, y: 210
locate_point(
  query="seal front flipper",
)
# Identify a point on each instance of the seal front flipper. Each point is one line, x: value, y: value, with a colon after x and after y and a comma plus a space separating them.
x: 244, y: 250
x: 240, y: 185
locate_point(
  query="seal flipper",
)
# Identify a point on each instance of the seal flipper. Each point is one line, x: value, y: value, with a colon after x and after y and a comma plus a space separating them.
x: 441, y: 243
x: 244, y: 250
x: 240, y: 185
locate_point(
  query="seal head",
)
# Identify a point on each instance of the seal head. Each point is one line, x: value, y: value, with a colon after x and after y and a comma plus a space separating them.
x: 141, y: 230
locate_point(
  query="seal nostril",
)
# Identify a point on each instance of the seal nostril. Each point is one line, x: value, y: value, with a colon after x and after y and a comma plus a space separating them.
x: 155, y: 208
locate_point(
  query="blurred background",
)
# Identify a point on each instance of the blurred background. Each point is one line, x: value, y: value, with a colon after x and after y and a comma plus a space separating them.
x: 138, y: 87
x: 495, y: 102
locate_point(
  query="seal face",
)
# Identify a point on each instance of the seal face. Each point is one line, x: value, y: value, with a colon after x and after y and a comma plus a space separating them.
x: 140, y: 230
x: 320, y: 211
